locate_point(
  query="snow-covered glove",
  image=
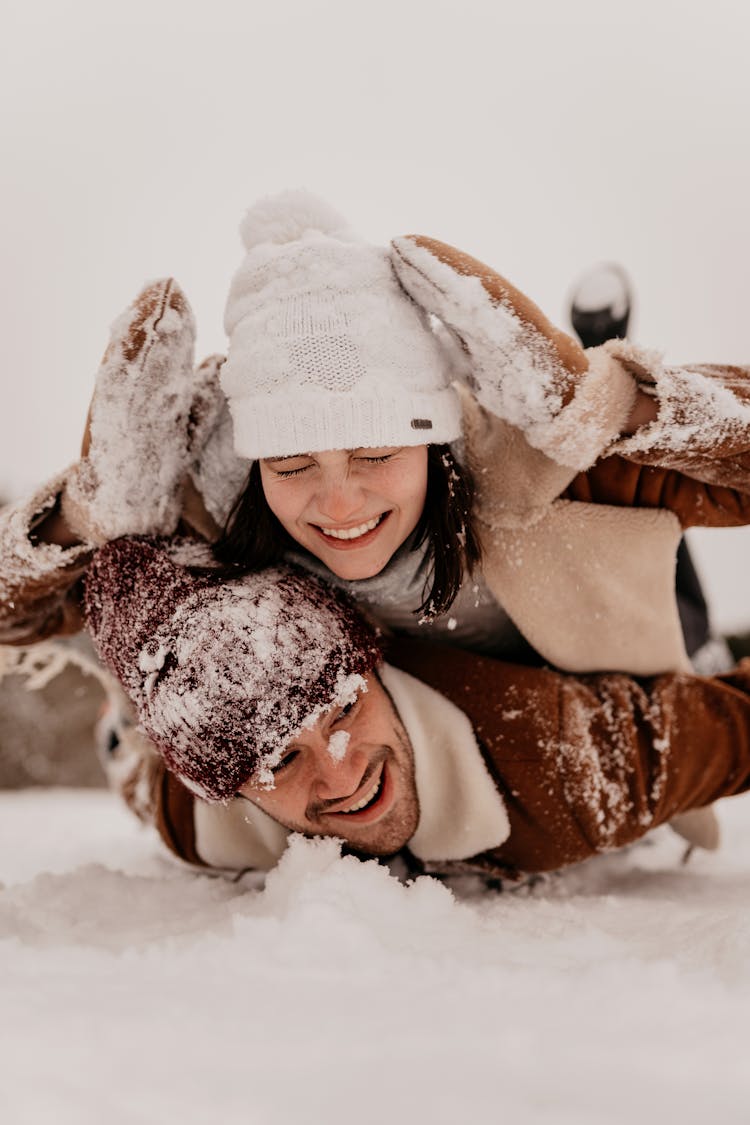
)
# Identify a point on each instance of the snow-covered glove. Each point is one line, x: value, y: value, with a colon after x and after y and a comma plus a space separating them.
x: 220, y: 473
x: 522, y: 368
x: 150, y: 415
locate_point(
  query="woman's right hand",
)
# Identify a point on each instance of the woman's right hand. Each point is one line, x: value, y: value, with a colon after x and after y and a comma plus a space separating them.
x: 149, y: 416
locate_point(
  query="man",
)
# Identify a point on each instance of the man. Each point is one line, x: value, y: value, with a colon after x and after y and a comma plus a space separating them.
x: 274, y: 711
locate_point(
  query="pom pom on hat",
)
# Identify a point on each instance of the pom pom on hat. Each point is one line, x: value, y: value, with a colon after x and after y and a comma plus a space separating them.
x: 223, y: 674
x: 290, y: 215
x: 326, y: 350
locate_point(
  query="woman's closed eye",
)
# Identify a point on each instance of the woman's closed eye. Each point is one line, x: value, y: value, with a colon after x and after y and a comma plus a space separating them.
x: 289, y: 466
x: 291, y: 472
x: 376, y: 456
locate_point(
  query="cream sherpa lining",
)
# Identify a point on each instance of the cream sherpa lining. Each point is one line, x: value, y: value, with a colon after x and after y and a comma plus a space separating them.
x: 461, y: 812
x: 694, y: 410
x: 237, y: 835
x: 591, y: 587
x: 33, y: 561
x: 593, y: 419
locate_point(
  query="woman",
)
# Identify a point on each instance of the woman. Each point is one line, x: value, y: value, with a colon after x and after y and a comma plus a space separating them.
x: 335, y: 377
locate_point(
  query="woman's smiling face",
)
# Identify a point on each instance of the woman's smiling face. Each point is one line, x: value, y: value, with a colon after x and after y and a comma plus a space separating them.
x: 351, y: 508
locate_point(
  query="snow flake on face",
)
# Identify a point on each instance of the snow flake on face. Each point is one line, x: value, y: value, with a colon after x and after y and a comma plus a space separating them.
x: 337, y: 745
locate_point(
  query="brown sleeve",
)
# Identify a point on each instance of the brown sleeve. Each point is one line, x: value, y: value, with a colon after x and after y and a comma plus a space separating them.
x: 594, y: 762
x: 589, y: 763
x: 623, y: 483
x: 173, y: 816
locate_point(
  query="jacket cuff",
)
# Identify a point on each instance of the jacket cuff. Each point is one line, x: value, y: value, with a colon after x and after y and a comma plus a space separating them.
x: 20, y: 554
x: 699, y: 412
x: 595, y: 417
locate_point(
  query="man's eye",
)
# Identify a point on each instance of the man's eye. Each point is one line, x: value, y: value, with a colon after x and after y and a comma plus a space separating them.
x: 285, y: 761
x: 345, y: 710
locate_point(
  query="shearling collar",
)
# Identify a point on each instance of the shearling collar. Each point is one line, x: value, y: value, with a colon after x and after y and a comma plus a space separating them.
x: 461, y: 811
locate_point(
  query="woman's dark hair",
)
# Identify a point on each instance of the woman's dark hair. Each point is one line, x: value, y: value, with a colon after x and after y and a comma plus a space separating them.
x: 253, y: 538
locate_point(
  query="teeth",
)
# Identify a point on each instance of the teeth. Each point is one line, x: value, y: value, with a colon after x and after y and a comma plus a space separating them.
x: 365, y: 800
x: 351, y: 532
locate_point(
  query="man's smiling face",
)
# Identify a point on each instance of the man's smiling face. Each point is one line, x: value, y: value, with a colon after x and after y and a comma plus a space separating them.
x: 350, y: 775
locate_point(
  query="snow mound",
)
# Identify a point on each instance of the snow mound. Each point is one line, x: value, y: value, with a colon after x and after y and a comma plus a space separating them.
x: 135, y: 989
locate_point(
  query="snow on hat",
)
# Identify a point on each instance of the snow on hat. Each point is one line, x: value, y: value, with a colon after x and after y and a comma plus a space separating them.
x: 223, y: 673
x: 326, y: 350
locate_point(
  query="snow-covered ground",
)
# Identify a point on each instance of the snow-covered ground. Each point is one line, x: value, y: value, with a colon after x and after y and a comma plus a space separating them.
x: 134, y: 990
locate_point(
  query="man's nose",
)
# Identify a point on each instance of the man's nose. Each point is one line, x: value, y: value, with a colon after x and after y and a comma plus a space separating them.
x: 337, y: 774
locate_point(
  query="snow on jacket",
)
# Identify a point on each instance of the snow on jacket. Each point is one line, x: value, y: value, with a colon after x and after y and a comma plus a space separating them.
x: 518, y: 769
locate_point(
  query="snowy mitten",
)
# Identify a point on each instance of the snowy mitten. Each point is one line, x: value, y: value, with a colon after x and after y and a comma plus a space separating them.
x: 219, y: 474
x: 149, y: 413
x: 522, y: 368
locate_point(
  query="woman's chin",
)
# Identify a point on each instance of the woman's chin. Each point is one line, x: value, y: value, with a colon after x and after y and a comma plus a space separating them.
x: 350, y: 568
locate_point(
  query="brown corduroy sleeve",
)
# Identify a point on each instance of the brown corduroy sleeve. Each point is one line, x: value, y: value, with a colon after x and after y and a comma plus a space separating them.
x: 622, y: 483
x: 589, y: 763
x: 173, y: 817
x: 703, y: 423
x: 604, y: 759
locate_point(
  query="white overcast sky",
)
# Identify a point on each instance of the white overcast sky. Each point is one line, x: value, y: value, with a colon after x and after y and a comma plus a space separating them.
x: 540, y: 137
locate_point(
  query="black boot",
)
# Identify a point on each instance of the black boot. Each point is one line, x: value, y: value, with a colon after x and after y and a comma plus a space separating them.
x: 600, y: 305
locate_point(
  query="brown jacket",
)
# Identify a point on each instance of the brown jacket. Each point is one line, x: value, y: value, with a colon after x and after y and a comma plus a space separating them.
x: 584, y: 764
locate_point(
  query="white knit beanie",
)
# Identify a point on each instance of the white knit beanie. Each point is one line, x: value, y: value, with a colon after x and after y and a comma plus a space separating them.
x: 326, y: 350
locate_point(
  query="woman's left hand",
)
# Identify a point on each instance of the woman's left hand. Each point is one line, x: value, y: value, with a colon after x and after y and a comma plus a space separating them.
x: 522, y: 368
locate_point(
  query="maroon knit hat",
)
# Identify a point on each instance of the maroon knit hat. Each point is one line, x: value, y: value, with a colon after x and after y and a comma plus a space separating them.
x: 223, y: 673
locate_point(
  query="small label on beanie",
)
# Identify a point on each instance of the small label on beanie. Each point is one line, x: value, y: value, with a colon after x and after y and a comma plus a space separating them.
x: 421, y: 424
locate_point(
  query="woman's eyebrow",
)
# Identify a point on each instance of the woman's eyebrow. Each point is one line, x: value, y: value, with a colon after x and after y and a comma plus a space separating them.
x: 288, y: 457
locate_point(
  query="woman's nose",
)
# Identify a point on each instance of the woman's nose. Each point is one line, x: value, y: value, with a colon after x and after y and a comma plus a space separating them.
x: 339, y: 498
